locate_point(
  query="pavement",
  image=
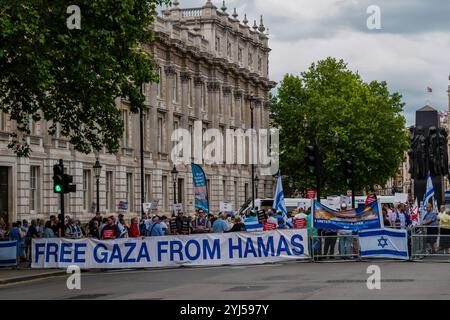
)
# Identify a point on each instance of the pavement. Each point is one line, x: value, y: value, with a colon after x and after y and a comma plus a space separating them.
x: 286, y: 281
x: 23, y: 273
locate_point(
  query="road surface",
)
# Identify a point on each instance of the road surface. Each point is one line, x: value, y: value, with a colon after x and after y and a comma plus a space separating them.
x: 298, y: 280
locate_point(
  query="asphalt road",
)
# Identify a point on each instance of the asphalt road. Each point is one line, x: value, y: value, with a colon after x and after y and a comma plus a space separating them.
x: 399, y: 280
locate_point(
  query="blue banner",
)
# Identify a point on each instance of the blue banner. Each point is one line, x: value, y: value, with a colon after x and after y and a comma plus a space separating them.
x: 200, y: 188
x: 354, y: 219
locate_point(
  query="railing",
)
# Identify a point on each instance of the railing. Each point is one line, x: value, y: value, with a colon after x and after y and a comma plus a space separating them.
x: 430, y: 243
x: 338, y: 247
x: 188, y: 13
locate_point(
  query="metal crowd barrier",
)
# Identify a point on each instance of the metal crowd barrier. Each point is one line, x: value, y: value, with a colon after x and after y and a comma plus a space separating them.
x: 429, y: 243
x: 335, y: 248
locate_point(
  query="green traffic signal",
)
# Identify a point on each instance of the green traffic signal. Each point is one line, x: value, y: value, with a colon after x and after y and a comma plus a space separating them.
x: 58, y: 188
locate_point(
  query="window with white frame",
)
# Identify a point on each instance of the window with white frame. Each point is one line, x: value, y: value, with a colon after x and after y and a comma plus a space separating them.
x: 35, y: 188
x: 189, y: 93
x: 87, y: 191
x: 110, y: 207
x: 148, y: 188
x: 175, y: 87
x: 130, y: 192
x: 160, y: 133
x: 203, y: 97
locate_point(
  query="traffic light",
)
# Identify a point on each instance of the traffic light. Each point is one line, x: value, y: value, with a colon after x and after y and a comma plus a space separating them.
x: 348, y: 171
x: 58, y: 178
x: 67, y: 184
x: 311, y: 159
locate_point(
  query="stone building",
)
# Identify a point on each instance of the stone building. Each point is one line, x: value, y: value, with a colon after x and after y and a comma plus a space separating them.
x: 209, y: 63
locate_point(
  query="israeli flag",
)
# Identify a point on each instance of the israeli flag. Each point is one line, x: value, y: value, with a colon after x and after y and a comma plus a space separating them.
x: 8, y: 253
x: 384, y: 243
x: 278, y: 203
x: 430, y: 190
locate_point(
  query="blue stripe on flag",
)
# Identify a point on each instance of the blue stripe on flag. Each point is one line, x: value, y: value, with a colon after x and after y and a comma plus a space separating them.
x: 364, y: 234
x: 379, y: 252
x: 253, y: 226
x: 8, y: 244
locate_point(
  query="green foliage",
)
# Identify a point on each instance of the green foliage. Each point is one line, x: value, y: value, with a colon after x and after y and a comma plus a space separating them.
x: 74, y: 76
x: 349, y: 117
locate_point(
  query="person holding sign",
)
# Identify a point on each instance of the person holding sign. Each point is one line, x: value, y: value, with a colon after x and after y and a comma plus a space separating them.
x: 300, y: 219
x: 272, y: 222
x: 110, y: 231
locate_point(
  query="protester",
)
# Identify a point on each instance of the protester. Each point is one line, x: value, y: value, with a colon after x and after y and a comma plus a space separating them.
x: 201, y: 224
x: 110, y: 231
x: 32, y: 233
x: 281, y: 222
x: 134, y: 232
x: 220, y: 225
x: 252, y: 224
x: 3, y: 229
x: 180, y: 225
x: 238, y: 225
x: 431, y: 222
x: 155, y: 229
x: 345, y: 240
x: 445, y: 231
x: 271, y: 223
x: 299, y: 220
x: 16, y: 234
x: 40, y: 227
x: 124, y: 229
x: 94, y: 230
x: 48, y: 231
x: 330, y: 238
x: 164, y: 226
x: 403, y: 219
x: 73, y: 230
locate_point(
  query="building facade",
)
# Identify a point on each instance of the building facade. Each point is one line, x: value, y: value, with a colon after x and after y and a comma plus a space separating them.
x: 209, y: 63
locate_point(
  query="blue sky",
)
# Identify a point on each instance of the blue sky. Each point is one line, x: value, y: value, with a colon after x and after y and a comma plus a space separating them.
x: 410, y: 52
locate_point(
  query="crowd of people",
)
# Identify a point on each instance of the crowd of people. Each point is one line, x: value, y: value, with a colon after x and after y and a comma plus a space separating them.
x: 400, y: 216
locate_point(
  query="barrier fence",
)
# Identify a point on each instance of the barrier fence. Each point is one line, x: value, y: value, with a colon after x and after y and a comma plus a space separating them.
x: 430, y: 243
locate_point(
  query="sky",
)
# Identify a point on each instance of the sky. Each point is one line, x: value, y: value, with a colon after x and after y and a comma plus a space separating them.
x: 410, y: 52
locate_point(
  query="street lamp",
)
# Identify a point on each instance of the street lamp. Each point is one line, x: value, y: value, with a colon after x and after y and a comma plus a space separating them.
x: 97, y: 172
x: 174, y: 173
x: 256, y: 186
x: 251, y: 98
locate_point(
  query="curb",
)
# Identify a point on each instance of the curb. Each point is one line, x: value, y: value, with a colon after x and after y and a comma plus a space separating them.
x: 31, y: 277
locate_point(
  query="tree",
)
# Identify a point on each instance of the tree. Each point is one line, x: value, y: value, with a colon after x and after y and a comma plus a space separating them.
x: 349, y: 118
x: 73, y: 76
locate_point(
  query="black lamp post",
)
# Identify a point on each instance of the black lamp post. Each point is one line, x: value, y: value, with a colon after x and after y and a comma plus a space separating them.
x: 251, y: 98
x: 174, y: 173
x: 256, y: 186
x: 97, y: 172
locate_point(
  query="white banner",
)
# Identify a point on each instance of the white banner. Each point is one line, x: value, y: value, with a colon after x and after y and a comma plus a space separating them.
x: 172, y: 251
x: 8, y: 253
